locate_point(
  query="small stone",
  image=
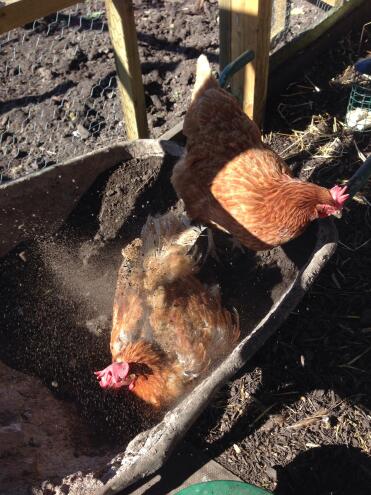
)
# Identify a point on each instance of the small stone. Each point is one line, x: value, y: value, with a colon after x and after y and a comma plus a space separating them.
x: 23, y: 256
x: 11, y: 438
x: 4, y: 120
x: 271, y: 473
x: 45, y: 73
x: 83, y: 133
x: 156, y: 101
x: 237, y: 448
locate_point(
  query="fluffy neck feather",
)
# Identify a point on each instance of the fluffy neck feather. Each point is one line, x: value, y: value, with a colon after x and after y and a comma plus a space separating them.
x: 302, y: 194
x: 298, y: 200
x: 158, y: 381
x: 293, y: 205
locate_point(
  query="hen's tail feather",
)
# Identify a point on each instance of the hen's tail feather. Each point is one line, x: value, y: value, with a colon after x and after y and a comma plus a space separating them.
x: 204, y: 77
x: 169, y: 249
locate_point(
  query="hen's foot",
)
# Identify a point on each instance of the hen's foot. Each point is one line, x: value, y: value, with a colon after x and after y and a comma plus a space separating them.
x: 211, y: 247
x: 237, y: 245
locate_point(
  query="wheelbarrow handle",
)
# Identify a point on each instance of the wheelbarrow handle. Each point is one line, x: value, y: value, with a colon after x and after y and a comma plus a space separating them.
x: 360, y: 178
x: 235, y: 66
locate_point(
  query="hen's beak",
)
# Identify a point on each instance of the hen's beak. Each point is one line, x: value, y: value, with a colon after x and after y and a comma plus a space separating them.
x: 338, y: 214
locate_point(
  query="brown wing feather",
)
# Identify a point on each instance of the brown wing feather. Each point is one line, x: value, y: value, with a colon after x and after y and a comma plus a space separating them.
x: 172, y: 331
x: 216, y: 118
x: 129, y: 304
x: 192, y: 326
x: 227, y: 176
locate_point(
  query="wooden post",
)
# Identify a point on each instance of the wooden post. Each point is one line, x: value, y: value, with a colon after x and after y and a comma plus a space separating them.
x: 15, y: 13
x: 279, y: 17
x: 250, y: 28
x: 121, y: 23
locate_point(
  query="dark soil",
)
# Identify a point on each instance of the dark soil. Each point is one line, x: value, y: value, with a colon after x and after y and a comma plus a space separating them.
x: 297, y: 418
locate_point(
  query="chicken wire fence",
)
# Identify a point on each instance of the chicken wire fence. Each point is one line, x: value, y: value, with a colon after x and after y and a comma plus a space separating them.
x: 51, y: 110
x: 58, y: 102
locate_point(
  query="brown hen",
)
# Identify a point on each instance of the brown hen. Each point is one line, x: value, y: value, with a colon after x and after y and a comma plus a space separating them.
x: 168, y: 328
x: 229, y: 179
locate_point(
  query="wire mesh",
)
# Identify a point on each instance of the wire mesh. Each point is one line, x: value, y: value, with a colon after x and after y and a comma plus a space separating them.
x: 58, y: 92
x: 359, y: 108
x: 290, y: 18
x: 54, y: 100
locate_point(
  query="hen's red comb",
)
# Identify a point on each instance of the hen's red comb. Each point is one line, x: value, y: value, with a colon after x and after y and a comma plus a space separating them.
x: 113, y: 376
x: 339, y: 195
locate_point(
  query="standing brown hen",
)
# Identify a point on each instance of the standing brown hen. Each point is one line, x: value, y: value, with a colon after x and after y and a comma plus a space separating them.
x: 168, y: 327
x: 229, y: 179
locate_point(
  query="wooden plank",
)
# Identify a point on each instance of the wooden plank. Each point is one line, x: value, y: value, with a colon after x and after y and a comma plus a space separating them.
x: 250, y: 29
x: 334, y: 3
x: 121, y: 23
x: 279, y: 17
x: 173, y: 133
x: 16, y: 13
x: 290, y: 61
x: 305, y: 39
x: 225, y: 32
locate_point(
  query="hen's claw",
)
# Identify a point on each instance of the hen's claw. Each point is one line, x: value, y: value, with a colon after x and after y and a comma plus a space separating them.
x: 211, y: 247
x: 237, y: 245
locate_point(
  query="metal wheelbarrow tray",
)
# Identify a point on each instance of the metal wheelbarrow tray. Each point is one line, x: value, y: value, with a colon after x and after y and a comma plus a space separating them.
x: 94, y: 205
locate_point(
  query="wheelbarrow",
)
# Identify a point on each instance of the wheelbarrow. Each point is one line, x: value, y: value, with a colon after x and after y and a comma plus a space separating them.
x: 35, y: 208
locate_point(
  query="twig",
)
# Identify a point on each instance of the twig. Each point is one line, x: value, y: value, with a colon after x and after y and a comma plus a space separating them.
x: 359, y: 152
x: 354, y: 360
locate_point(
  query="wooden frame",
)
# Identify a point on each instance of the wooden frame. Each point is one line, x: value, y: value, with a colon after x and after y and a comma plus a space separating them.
x: 304, y: 40
x: 279, y: 12
x: 123, y: 34
x: 17, y: 13
x: 246, y: 25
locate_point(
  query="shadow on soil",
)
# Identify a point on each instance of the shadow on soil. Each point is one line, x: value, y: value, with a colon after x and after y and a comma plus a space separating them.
x: 334, y: 469
x: 26, y: 100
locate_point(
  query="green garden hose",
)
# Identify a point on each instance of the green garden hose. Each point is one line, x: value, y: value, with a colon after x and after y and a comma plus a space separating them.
x: 223, y: 488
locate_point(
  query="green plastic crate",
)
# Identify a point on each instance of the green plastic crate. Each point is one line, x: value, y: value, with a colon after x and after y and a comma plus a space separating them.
x: 223, y: 488
x: 359, y: 108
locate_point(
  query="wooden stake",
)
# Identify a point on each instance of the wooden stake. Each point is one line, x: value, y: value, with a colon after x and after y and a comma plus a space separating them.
x: 250, y: 28
x: 279, y: 17
x: 16, y: 13
x: 122, y: 29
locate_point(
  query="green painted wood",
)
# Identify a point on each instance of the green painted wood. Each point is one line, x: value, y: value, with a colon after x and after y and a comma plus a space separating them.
x: 223, y: 488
